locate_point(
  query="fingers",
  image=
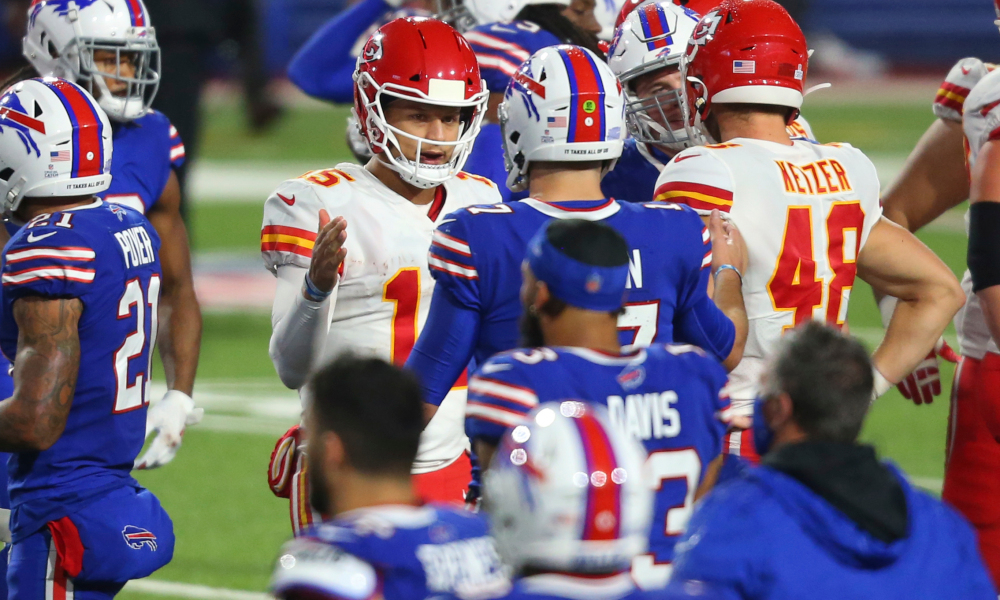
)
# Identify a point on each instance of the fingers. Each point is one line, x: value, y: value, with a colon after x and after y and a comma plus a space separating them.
x: 324, y: 218
x: 946, y: 352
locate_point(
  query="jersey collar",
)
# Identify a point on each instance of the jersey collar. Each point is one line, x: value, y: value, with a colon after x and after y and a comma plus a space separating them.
x: 93, y: 204
x: 604, y: 358
x: 588, y: 210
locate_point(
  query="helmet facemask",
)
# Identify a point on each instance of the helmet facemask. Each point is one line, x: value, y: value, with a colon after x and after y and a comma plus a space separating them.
x: 657, y: 119
x: 384, y: 137
x: 456, y: 14
x: 136, y: 98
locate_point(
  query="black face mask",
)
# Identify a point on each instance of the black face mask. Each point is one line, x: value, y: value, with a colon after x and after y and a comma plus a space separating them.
x: 319, y: 497
x: 531, y: 331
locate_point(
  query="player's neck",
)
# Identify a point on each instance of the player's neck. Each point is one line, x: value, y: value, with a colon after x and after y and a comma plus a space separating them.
x: 577, y: 328
x: 357, y: 491
x: 394, y: 182
x: 757, y: 126
x: 555, y: 182
x: 32, y: 207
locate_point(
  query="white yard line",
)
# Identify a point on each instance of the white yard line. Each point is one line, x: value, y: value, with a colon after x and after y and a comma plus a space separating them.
x: 176, y: 589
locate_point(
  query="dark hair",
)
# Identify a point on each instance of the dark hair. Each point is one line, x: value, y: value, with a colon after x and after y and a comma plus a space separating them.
x: 828, y: 376
x: 590, y: 242
x: 550, y: 17
x: 23, y: 74
x: 375, y: 408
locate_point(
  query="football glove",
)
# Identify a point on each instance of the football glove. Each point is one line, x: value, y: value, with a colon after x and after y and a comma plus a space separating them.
x: 924, y: 382
x: 950, y: 99
x: 168, y: 418
x: 284, y: 459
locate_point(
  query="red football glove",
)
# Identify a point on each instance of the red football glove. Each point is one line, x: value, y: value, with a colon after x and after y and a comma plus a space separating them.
x: 281, y: 469
x: 924, y: 383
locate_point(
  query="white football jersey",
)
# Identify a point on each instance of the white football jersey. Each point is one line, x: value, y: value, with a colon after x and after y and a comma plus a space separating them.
x: 805, y: 212
x: 383, y: 296
x: 981, y: 122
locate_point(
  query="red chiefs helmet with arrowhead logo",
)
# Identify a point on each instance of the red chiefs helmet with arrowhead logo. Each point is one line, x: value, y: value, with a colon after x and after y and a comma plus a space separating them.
x: 427, y: 61
x: 744, y: 52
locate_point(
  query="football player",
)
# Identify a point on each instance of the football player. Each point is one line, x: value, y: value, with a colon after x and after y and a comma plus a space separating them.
x: 562, y: 123
x: 348, y: 245
x: 568, y: 505
x: 364, y: 419
x: 523, y: 27
x: 934, y: 180
x: 645, y: 56
x: 669, y: 398
x: 810, y: 212
x: 110, y: 48
x: 81, y: 288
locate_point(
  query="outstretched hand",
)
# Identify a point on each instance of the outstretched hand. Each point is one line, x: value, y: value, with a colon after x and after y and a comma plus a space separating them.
x: 328, y: 252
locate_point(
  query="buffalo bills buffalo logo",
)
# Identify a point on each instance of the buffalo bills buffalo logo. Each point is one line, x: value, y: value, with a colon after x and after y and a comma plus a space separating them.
x: 62, y: 7
x: 13, y: 115
x: 137, y: 537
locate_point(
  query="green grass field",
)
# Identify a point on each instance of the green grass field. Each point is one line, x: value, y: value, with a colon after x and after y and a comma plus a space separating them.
x: 229, y: 527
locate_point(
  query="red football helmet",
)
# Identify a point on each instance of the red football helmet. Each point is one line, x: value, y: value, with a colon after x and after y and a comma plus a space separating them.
x: 425, y: 60
x: 744, y: 52
x: 699, y: 6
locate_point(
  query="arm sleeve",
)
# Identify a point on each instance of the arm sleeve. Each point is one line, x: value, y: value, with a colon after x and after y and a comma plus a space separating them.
x: 698, y: 320
x: 445, y: 345
x: 324, y: 66
x: 177, y: 152
x: 61, y: 264
x: 299, y: 327
x: 499, y: 396
x: 949, y: 102
x: 698, y: 179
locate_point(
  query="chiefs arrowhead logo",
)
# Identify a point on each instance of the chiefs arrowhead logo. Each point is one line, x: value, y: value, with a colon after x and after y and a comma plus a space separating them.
x: 288, y: 201
x: 373, y: 49
x: 706, y: 28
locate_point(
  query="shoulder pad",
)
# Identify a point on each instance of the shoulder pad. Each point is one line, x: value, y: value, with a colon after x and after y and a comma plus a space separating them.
x: 950, y: 99
x: 291, y: 220
x: 309, y: 565
x: 698, y: 179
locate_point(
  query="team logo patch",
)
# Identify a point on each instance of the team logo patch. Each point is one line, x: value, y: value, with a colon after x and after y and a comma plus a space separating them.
x: 589, y: 106
x: 632, y: 377
x: 136, y: 538
x: 594, y: 283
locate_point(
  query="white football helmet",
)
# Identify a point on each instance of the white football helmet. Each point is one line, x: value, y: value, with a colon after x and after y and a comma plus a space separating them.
x: 653, y: 37
x: 54, y: 141
x: 563, y: 105
x: 567, y: 492
x: 463, y: 15
x: 61, y: 39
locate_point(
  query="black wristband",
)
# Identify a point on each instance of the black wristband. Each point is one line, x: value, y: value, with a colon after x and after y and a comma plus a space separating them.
x: 984, y: 245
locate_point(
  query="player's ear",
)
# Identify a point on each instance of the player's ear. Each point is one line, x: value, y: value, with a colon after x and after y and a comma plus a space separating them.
x: 334, y: 453
x: 542, y: 295
x: 778, y: 411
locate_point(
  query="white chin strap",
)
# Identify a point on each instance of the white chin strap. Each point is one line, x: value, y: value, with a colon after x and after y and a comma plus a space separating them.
x: 418, y: 174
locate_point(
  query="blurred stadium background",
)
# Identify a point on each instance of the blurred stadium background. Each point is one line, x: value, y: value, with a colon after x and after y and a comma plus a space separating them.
x: 228, y: 524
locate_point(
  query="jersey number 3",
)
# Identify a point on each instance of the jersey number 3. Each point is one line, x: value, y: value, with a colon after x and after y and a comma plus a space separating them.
x: 130, y: 395
x: 794, y: 285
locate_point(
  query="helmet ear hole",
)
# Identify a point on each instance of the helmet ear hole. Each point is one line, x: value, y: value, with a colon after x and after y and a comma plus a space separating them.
x: 515, y: 136
x: 6, y: 174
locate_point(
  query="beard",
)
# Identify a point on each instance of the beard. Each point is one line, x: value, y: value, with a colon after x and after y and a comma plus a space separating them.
x: 319, y: 494
x: 531, y: 331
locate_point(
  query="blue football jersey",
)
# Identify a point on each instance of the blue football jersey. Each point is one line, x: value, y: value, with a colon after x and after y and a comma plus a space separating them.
x: 404, y: 552
x: 477, y: 254
x: 486, y: 160
x: 146, y: 150
x: 634, y: 177
x: 502, y: 47
x: 670, y: 398
x: 105, y: 255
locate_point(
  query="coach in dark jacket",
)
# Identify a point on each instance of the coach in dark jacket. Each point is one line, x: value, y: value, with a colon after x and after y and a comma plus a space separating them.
x: 822, y: 518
